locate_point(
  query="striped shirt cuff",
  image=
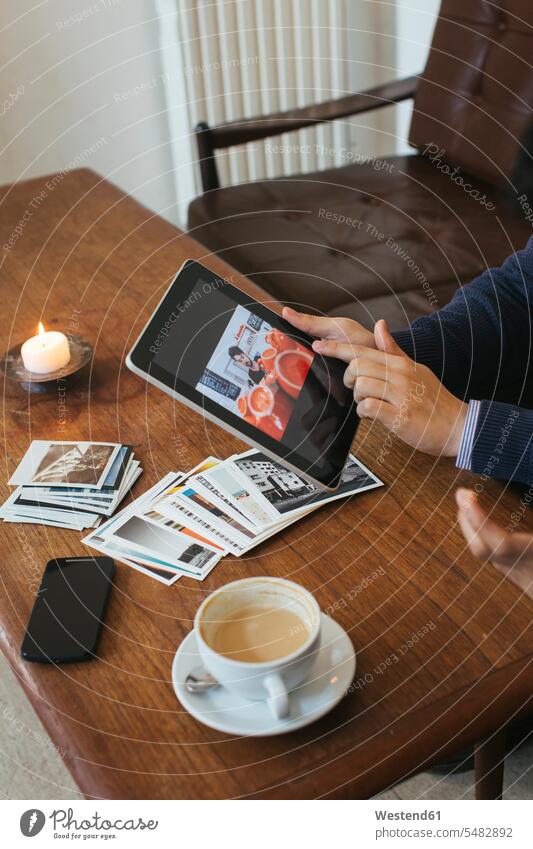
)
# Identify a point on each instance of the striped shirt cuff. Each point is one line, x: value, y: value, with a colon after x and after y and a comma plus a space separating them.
x: 464, y: 458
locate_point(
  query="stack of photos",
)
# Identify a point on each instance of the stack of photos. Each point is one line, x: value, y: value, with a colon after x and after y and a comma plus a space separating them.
x: 70, y: 484
x: 187, y: 522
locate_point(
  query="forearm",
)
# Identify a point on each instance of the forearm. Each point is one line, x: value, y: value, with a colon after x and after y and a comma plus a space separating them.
x: 478, y: 344
x: 498, y: 442
x: 444, y: 343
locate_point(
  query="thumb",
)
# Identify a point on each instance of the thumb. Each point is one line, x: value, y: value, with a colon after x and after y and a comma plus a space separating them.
x: 384, y: 341
x: 486, y: 538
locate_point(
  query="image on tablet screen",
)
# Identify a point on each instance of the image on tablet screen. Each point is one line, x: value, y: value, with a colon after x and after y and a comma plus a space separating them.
x: 212, y: 344
x: 256, y: 372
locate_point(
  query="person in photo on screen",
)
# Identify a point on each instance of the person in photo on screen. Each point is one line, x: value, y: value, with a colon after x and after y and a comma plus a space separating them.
x: 457, y: 383
x: 255, y: 373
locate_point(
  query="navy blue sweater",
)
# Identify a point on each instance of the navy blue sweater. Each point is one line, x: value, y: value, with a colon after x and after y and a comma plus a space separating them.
x: 479, y: 345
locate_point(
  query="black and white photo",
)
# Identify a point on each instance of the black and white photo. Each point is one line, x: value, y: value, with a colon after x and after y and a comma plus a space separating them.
x: 66, y: 464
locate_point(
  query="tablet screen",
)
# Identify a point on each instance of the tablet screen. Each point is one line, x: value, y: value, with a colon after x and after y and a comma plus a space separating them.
x: 239, y: 361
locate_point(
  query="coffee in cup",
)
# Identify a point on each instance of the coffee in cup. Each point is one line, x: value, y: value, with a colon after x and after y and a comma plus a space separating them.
x: 255, y: 634
x: 259, y: 637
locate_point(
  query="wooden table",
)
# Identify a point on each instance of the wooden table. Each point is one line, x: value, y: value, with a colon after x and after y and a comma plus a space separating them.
x: 444, y: 644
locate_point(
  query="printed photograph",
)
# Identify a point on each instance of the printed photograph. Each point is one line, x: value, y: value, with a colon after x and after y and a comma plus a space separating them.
x: 77, y: 464
x: 202, y: 484
x: 118, y: 468
x: 355, y: 478
x: 174, y: 508
x: 166, y: 573
x: 287, y: 492
x: 256, y: 372
x: 178, y: 527
x: 222, y: 482
x: 282, y: 488
x: 164, y: 543
x: 218, y: 515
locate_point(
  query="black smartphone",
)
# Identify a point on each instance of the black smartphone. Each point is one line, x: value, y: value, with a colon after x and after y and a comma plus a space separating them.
x: 69, y: 606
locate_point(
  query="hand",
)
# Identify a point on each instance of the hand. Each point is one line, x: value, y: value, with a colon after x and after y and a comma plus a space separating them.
x: 510, y: 553
x: 405, y: 396
x: 342, y: 333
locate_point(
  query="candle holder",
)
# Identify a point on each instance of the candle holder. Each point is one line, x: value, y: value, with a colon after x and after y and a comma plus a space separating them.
x: 81, y: 353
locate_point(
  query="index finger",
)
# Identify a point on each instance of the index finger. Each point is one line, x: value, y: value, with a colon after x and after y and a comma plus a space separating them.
x: 341, y: 350
x: 349, y: 352
x: 314, y: 325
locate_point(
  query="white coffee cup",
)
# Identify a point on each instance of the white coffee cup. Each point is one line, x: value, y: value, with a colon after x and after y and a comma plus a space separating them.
x: 270, y: 680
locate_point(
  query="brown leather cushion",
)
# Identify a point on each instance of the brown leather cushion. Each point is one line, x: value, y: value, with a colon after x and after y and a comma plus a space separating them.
x: 409, y: 231
x: 475, y: 96
x: 399, y: 309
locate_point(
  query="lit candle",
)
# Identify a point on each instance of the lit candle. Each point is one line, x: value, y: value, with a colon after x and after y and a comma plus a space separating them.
x: 47, y: 352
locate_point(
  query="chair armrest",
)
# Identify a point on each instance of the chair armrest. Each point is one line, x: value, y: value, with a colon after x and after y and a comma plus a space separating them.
x: 250, y: 129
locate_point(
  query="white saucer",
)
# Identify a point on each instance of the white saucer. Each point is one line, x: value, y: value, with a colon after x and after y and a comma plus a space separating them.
x: 332, y: 674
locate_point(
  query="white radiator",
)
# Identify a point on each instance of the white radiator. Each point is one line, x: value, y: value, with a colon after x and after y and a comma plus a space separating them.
x: 228, y: 59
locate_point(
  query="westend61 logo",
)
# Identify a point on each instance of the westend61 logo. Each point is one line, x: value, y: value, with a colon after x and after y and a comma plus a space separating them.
x: 66, y: 825
x: 31, y: 822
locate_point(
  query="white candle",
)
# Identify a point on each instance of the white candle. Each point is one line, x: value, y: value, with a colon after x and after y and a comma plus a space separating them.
x: 48, y: 351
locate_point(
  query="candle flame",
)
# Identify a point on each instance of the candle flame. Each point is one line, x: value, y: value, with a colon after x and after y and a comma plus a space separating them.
x: 41, y: 334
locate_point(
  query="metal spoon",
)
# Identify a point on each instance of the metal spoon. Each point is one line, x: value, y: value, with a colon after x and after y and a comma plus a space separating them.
x: 199, y: 680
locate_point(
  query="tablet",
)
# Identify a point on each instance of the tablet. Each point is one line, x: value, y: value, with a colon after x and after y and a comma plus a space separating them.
x: 235, y: 361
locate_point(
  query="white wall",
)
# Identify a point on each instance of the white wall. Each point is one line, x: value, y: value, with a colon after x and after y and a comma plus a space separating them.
x: 92, y: 91
x: 82, y: 84
x: 292, y: 53
x: 371, y: 60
